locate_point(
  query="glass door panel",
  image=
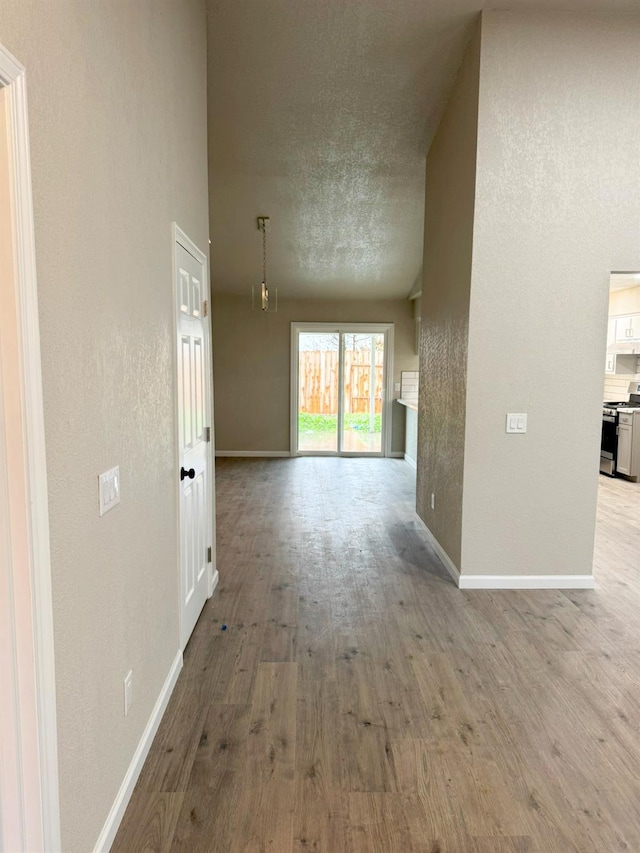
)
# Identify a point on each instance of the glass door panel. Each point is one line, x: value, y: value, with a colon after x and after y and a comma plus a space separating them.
x: 318, y: 391
x: 363, y: 383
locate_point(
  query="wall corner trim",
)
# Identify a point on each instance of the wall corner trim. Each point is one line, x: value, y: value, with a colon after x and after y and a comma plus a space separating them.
x: 442, y: 555
x: 31, y: 637
x: 526, y: 582
x: 110, y: 828
x: 257, y: 453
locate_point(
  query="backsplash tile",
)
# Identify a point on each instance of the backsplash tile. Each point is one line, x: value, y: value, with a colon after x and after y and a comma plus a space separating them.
x: 409, y: 384
x: 616, y: 387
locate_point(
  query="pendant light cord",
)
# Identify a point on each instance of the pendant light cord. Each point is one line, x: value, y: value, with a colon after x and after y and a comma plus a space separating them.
x: 264, y: 253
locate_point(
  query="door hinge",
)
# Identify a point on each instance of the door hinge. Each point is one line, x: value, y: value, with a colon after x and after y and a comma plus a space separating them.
x: 207, y: 433
x: 205, y: 307
x: 209, y: 556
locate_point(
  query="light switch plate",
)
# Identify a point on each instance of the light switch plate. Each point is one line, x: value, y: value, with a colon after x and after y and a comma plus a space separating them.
x: 516, y: 423
x: 128, y: 692
x: 109, y: 489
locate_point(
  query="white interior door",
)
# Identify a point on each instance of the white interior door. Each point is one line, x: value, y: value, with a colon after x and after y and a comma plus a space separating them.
x: 194, y: 433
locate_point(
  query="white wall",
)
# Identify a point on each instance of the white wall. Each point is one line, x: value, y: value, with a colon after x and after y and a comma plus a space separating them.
x: 117, y: 97
x: 557, y: 208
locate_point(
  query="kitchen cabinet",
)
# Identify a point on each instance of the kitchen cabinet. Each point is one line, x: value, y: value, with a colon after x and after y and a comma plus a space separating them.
x: 411, y: 431
x: 625, y: 439
x: 628, y: 462
x: 624, y: 364
x: 628, y: 328
x: 610, y: 361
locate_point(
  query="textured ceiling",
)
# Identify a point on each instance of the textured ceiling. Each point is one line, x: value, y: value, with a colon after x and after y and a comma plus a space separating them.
x: 320, y: 117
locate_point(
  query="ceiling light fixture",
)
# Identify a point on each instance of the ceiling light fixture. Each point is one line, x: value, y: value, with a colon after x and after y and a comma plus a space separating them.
x: 266, y: 300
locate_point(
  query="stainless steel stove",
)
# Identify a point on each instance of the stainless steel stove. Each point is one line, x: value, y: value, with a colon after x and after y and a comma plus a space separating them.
x: 609, y: 442
x: 613, y: 408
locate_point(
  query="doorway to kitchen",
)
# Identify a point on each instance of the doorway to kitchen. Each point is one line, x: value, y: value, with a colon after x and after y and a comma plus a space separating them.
x: 620, y: 443
x: 339, y: 389
x: 617, y: 540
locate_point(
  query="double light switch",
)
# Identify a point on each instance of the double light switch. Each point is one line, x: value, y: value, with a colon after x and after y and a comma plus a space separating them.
x: 516, y: 423
x: 109, y: 485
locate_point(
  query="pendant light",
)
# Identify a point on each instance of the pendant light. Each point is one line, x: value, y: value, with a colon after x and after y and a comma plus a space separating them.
x: 265, y: 299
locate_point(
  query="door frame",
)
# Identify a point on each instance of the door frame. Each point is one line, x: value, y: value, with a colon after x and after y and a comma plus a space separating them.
x: 387, y: 393
x: 30, y: 718
x: 178, y: 237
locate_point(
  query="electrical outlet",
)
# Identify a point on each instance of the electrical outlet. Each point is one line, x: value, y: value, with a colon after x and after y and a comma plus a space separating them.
x: 433, y: 501
x: 128, y: 692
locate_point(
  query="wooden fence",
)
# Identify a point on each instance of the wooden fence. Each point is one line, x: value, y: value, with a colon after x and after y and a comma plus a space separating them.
x: 318, y: 382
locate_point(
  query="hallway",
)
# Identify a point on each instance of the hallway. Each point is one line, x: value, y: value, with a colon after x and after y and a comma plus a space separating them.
x: 358, y: 701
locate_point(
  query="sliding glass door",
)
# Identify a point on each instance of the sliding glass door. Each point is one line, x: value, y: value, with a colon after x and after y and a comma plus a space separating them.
x: 318, y: 391
x: 363, y: 392
x: 339, y: 389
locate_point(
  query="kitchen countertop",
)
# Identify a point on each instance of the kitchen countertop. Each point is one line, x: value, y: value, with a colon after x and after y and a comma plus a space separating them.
x: 410, y: 404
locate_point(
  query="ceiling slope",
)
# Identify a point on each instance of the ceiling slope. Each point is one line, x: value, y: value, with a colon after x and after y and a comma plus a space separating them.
x: 320, y: 116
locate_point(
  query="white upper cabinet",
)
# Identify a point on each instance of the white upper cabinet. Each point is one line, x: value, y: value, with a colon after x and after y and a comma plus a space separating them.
x: 628, y: 328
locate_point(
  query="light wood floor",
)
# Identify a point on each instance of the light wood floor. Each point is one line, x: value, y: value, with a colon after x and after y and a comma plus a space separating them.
x: 359, y: 702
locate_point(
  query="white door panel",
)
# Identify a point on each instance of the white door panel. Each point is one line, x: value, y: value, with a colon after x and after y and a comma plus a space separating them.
x: 194, y: 451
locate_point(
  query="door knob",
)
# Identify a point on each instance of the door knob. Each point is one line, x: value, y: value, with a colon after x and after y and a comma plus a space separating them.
x: 191, y: 473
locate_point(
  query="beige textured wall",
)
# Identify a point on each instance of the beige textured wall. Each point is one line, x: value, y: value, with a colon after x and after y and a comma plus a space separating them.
x: 557, y: 208
x: 449, y: 206
x: 251, y: 363
x: 117, y: 98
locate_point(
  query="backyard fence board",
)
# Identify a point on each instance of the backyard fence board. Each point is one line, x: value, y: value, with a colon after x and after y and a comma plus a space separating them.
x: 318, y: 378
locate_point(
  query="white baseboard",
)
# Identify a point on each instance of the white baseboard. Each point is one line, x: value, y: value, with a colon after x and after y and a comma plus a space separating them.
x: 213, y: 582
x: 411, y: 461
x: 464, y: 581
x: 258, y: 453
x: 526, y: 582
x: 105, y: 839
x: 445, y: 559
x: 396, y: 454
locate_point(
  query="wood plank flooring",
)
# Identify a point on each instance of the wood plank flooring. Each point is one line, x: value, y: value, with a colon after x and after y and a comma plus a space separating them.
x: 359, y: 702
